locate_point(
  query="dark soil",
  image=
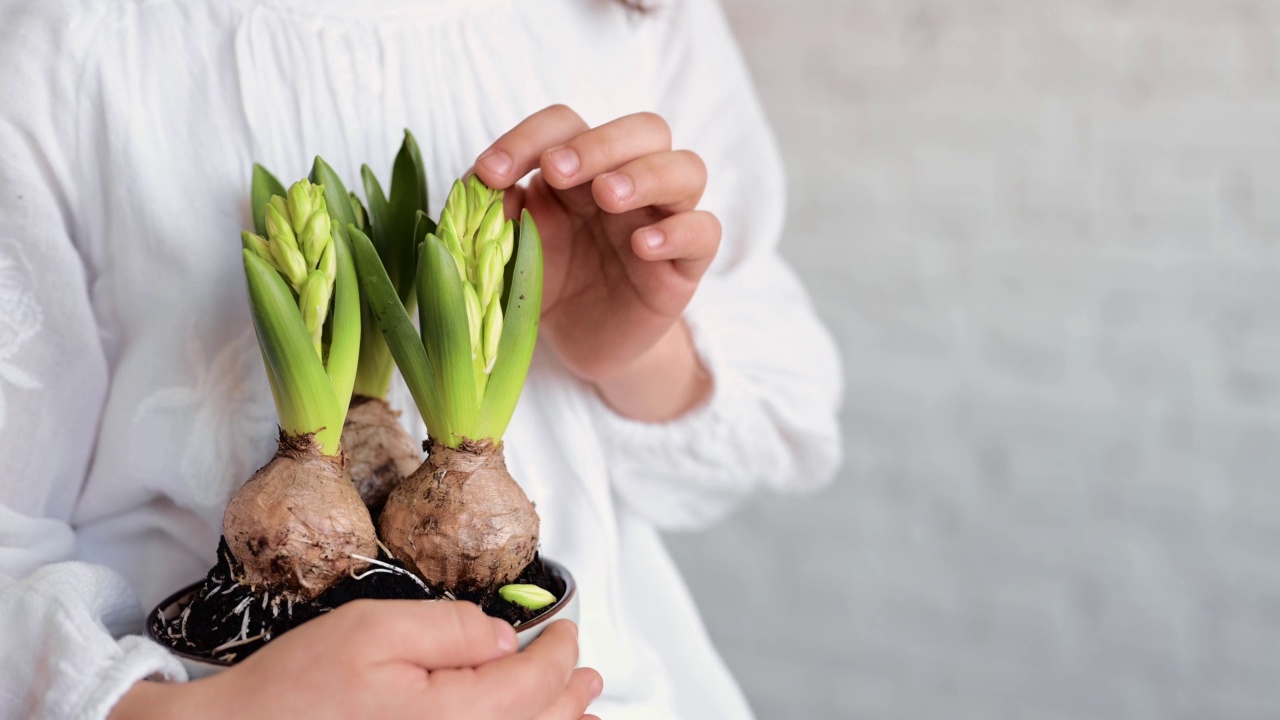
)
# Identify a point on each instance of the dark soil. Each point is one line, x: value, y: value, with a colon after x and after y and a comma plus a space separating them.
x: 228, y: 621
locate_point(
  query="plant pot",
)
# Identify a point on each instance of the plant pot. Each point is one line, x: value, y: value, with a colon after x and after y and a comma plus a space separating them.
x: 566, y: 608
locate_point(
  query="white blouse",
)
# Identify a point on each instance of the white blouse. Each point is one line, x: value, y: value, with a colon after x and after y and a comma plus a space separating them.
x: 132, y: 396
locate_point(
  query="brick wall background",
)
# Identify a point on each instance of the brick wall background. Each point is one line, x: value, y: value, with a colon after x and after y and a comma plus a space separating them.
x: 1047, y: 236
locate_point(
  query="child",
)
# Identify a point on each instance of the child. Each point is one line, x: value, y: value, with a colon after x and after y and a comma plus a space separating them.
x: 680, y: 367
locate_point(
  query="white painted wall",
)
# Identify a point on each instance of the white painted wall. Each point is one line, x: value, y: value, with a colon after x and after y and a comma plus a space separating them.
x: 1047, y: 236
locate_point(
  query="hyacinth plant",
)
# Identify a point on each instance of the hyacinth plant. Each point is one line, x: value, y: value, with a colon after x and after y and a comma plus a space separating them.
x: 298, y: 525
x: 461, y: 520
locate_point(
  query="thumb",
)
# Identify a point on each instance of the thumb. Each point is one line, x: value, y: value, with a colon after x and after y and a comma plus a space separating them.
x: 437, y: 634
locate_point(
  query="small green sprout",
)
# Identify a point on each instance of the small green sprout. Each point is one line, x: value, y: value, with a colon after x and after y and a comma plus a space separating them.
x: 529, y: 596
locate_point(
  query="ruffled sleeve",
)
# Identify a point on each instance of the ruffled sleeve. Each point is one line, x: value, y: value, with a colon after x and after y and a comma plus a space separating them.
x: 60, y: 660
x: 771, y: 422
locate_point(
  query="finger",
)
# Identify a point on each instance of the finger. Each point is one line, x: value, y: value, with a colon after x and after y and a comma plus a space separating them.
x: 433, y: 635
x: 689, y: 239
x: 517, y: 152
x: 521, y: 685
x: 584, y: 686
x: 672, y: 181
x: 605, y: 148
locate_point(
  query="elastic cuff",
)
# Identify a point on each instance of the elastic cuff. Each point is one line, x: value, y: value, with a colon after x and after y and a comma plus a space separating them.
x: 690, y: 472
x: 728, y: 403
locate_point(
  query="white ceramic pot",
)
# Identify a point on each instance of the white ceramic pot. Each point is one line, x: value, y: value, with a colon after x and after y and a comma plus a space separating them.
x: 566, y: 608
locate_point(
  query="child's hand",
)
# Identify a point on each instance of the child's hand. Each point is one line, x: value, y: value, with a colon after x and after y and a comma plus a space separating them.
x: 389, y: 659
x: 624, y: 249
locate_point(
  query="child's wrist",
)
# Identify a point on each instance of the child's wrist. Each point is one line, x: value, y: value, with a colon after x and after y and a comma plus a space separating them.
x: 149, y: 699
x: 140, y: 702
x: 664, y: 383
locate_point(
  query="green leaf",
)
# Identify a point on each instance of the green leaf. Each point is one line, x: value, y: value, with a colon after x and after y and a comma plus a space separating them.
x: 521, y: 316
x: 379, y: 211
x: 422, y: 227
x: 336, y: 197
x: 407, y: 198
x: 410, y: 145
x: 358, y: 210
x: 344, y: 338
x: 529, y: 596
x: 405, y: 345
x: 305, y: 400
x: 264, y: 185
x: 442, y: 313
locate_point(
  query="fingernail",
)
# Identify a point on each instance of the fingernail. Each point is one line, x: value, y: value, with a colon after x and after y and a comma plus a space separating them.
x: 652, y: 238
x: 620, y: 185
x: 564, y: 160
x: 597, y: 687
x: 496, y: 161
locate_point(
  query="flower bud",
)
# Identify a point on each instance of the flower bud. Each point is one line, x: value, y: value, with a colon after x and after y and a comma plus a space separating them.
x: 278, y: 225
x: 279, y: 204
x: 481, y: 197
x: 301, y: 202
x: 507, y: 242
x: 492, y: 335
x: 456, y: 206
x: 449, y: 237
x: 479, y: 193
x: 316, y: 236
x: 475, y: 316
x: 489, y: 273
x: 313, y: 301
x: 329, y: 263
x: 258, y: 245
x: 288, y: 258
x: 446, y: 225
x: 490, y: 227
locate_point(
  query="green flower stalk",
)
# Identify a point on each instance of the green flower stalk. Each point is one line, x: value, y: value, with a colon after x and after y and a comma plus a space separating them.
x: 298, y: 524
x: 460, y: 519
